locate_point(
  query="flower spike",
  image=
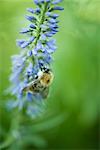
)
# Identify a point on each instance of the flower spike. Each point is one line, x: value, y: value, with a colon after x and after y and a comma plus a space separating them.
x: 31, y: 68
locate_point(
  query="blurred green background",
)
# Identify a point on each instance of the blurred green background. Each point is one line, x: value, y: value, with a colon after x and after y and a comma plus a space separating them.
x: 71, y: 117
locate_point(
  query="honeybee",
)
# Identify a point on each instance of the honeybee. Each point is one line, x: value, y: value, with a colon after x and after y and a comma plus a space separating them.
x: 40, y: 85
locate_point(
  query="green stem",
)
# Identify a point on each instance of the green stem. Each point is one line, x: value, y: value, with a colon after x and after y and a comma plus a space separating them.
x: 10, y: 136
x: 39, y: 29
x: 41, y: 22
x: 7, y: 143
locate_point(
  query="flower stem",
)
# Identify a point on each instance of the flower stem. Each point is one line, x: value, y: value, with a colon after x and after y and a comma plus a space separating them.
x: 10, y: 139
x: 41, y: 22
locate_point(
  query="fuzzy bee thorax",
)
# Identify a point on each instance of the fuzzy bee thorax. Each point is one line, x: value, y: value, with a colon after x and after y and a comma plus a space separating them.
x: 46, y: 79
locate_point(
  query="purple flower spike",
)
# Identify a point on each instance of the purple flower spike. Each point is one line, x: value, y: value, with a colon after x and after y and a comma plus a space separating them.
x: 35, y: 55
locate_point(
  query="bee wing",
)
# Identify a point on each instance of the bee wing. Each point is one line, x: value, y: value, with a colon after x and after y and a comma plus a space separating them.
x: 31, y: 86
x: 45, y: 93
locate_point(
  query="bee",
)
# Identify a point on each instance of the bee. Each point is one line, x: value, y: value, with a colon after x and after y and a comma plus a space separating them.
x: 40, y: 85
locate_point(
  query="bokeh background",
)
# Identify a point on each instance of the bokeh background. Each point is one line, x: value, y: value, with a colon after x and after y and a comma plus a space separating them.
x: 71, y: 117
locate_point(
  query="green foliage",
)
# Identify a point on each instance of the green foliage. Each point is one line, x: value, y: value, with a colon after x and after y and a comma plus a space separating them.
x: 70, y: 117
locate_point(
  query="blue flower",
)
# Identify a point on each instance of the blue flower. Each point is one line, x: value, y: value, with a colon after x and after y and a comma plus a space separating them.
x: 31, y: 10
x: 56, y: 1
x: 20, y: 42
x: 25, y: 30
x: 36, y: 2
x: 36, y: 50
x: 32, y: 26
x: 31, y: 18
x: 57, y: 8
x: 34, y: 11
